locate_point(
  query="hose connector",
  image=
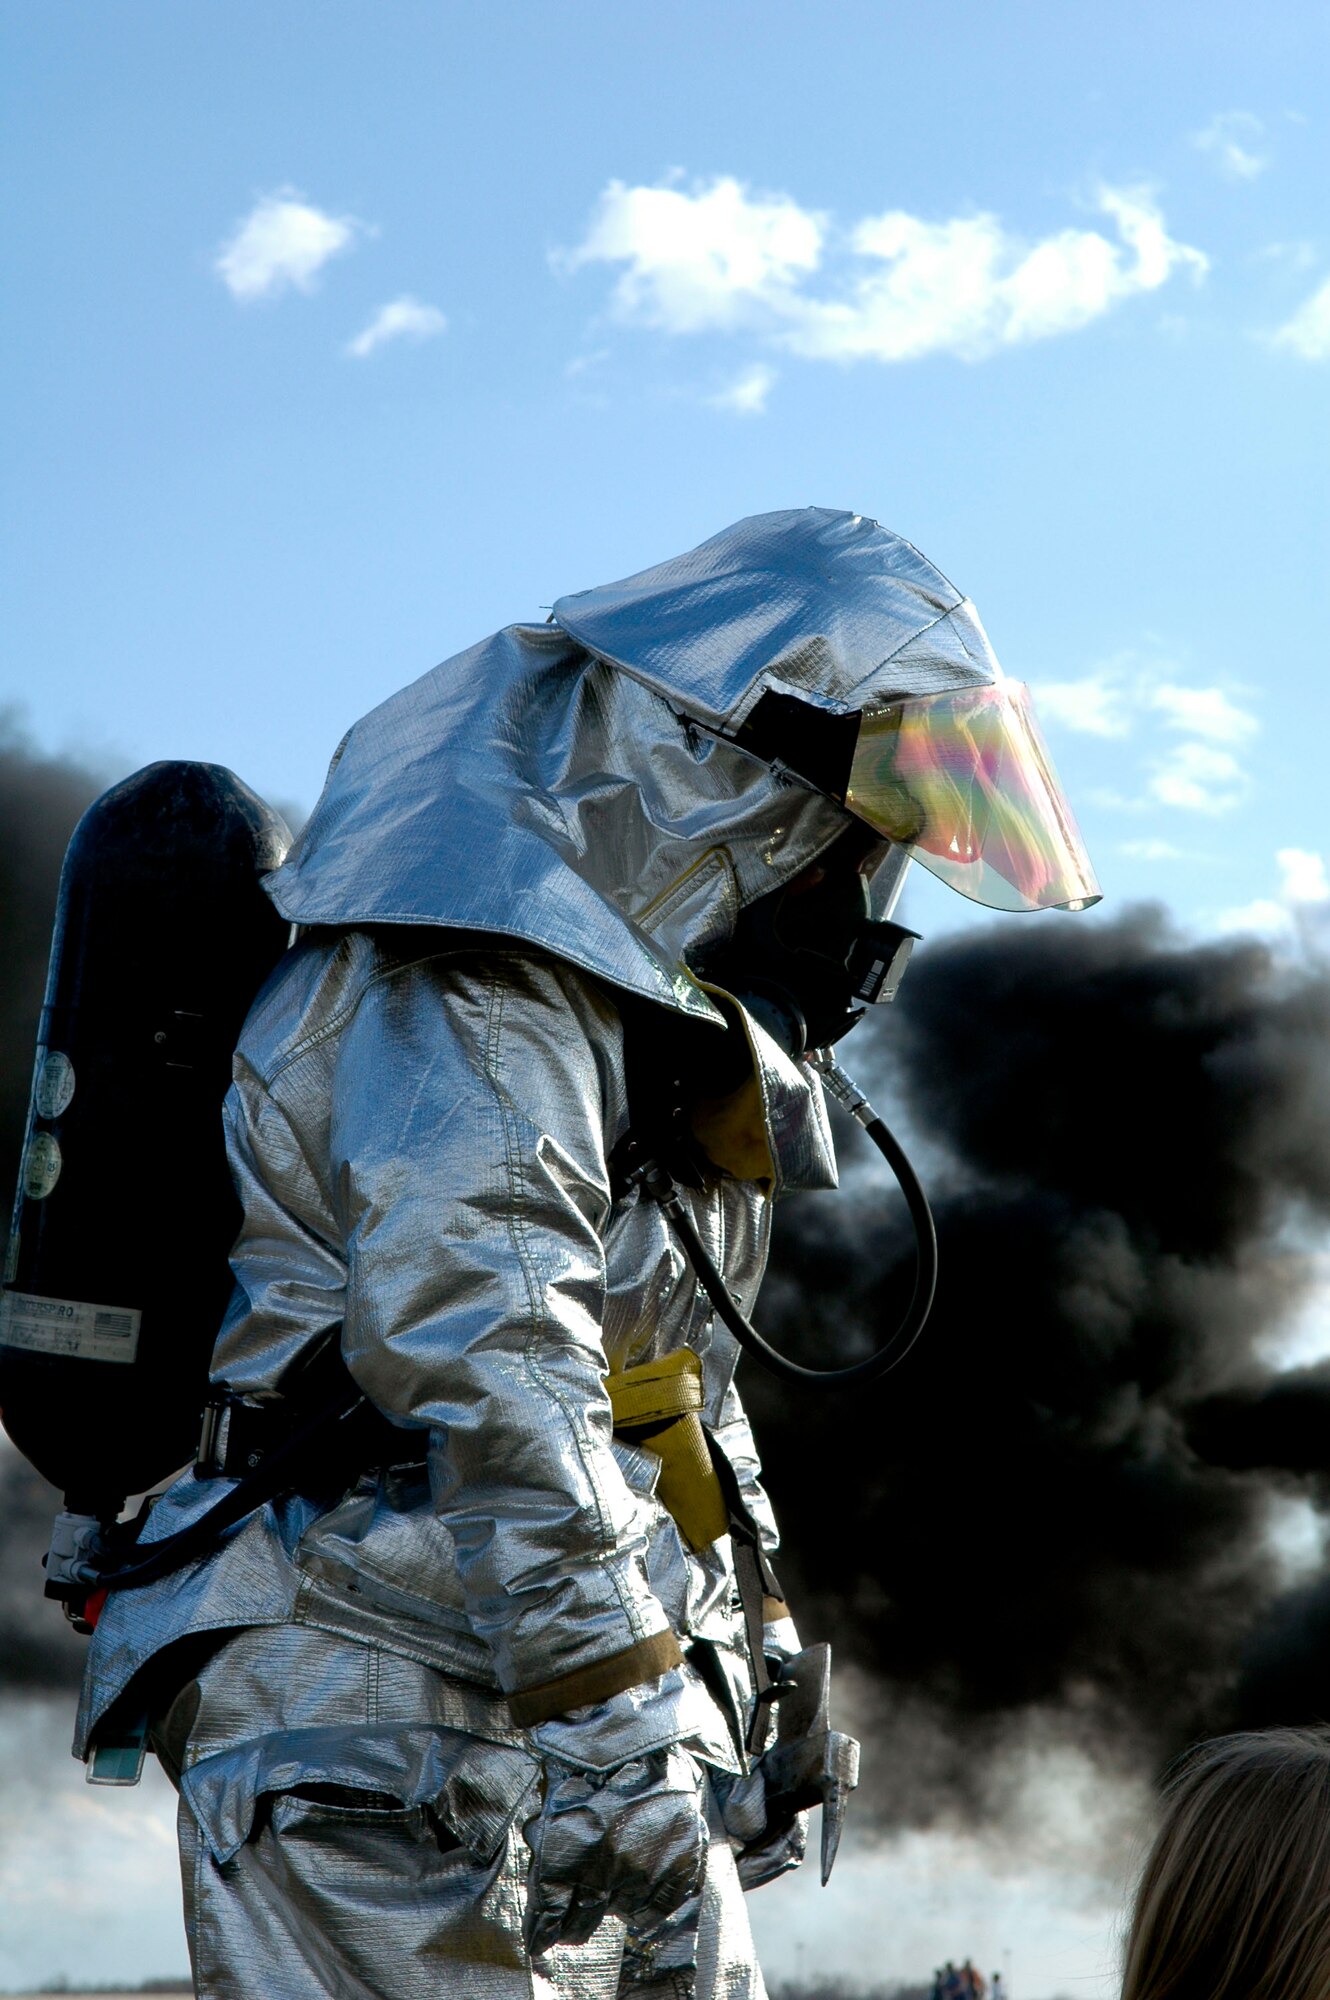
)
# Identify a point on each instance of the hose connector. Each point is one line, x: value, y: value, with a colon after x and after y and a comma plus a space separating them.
x: 841, y: 1085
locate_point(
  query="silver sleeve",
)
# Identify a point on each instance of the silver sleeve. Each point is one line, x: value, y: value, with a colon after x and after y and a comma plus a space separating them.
x: 468, y: 1171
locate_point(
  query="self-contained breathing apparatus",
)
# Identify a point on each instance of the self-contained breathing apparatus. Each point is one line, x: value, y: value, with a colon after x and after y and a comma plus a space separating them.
x: 116, y: 1272
x: 163, y: 937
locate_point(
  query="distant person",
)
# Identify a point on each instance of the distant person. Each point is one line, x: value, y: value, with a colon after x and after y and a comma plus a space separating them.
x: 997, y: 1988
x: 1234, y: 1898
x: 973, y: 1984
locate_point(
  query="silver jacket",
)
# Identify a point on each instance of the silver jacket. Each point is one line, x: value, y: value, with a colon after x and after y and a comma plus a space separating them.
x: 427, y: 1093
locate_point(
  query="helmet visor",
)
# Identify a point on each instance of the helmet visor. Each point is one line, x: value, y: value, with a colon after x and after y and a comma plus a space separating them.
x: 965, y: 781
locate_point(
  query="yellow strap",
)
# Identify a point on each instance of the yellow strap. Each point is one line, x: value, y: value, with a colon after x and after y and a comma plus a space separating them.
x: 733, y: 1131
x: 655, y: 1391
x: 664, y: 1399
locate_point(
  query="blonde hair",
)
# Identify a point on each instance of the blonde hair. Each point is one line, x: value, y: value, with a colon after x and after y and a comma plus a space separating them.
x: 1234, y: 1899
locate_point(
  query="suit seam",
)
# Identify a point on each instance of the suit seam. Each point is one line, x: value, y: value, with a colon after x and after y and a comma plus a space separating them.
x: 536, y: 1323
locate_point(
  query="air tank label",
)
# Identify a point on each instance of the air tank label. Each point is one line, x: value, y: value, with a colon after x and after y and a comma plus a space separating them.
x: 55, y: 1085
x: 41, y: 1168
x: 68, y: 1326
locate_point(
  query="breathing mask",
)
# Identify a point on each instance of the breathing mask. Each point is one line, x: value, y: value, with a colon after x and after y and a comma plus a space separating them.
x: 806, y: 958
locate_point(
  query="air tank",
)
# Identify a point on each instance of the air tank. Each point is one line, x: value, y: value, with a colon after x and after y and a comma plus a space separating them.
x: 116, y: 1275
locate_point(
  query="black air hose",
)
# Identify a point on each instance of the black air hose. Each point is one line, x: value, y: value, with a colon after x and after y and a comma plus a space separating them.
x: 658, y: 1184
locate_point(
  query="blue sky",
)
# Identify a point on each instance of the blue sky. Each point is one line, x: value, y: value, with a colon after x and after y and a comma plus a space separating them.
x: 1043, y: 291
x: 339, y: 334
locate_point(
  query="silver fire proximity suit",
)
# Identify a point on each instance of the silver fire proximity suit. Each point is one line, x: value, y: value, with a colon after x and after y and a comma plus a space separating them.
x: 383, y: 1699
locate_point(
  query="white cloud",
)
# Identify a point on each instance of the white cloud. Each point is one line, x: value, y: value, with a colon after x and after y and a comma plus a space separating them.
x: 717, y: 258
x: 401, y: 319
x: 1304, y: 892
x: 1151, y: 850
x: 1302, y: 876
x: 1307, y: 334
x: 1094, y: 706
x: 1265, y: 917
x: 747, y: 395
x: 1198, y: 777
x: 1230, y: 140
x: 1200, y: 773
x: 968, y: 287
x: 283, y: 242
x: 1205, y: 712
x: 699, y: 260
x: 1109, y: 701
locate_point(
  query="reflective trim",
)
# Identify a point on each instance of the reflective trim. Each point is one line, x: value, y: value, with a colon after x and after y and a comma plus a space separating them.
x: 603, y: 1678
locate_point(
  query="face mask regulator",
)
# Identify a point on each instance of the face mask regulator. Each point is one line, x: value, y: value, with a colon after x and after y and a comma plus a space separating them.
x: 807, y: 958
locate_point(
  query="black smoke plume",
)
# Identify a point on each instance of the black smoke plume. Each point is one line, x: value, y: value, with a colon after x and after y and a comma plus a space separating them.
x: 40, y: 1653
x: 1053, y: 1518
x: 41, y: 799
x: 1052, y: 1521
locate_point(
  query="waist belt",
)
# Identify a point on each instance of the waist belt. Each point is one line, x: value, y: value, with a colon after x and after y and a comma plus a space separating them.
x: 238, y: 1435
x: 657, y: 1405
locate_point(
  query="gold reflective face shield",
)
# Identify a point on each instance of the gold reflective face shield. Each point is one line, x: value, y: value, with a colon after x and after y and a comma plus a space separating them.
x: 965, y: 781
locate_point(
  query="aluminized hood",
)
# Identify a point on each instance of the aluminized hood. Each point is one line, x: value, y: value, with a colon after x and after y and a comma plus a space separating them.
x: 828, y: 606
x: 552, y: 784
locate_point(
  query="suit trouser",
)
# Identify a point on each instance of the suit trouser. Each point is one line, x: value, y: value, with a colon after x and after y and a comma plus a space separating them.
x: 313, y: 1882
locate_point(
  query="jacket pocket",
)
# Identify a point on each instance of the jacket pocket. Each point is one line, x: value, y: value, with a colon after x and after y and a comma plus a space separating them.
x: 470, y: 1789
